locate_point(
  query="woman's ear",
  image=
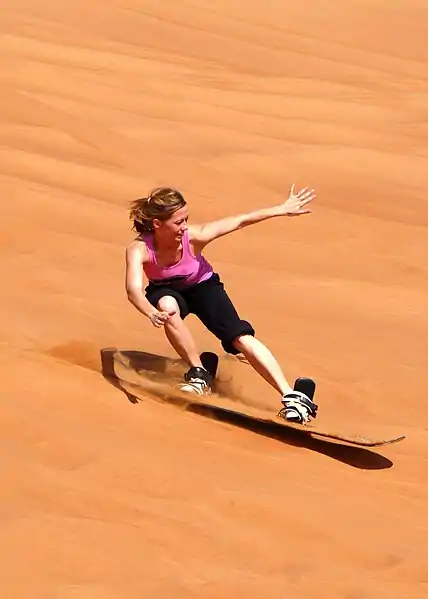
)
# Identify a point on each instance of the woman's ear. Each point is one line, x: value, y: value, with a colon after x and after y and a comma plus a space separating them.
x: 156, y: 223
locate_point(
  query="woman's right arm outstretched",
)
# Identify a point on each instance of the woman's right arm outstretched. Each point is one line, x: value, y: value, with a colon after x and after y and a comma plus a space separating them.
x: 135, y: 256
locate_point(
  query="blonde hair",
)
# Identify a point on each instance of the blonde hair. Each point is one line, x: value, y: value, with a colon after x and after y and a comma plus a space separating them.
x: 161, y: 203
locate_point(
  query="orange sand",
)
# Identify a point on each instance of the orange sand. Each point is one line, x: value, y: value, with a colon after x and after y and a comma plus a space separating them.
x: 231, y: 102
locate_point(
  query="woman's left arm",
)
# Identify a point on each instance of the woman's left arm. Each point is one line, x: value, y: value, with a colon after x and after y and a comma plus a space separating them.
x: 295, y: 205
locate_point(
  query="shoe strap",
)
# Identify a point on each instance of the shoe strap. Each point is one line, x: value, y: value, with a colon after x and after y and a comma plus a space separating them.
x: 199, y: 374
x: 194, y: 380
x: 297, y: 398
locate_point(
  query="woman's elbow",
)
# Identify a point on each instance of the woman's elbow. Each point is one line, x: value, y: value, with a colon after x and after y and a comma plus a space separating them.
x: 132, y: 293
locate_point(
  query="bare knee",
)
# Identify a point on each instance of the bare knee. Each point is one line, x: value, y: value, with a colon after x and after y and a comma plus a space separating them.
x: 243, y: 343
x: 168, y: 304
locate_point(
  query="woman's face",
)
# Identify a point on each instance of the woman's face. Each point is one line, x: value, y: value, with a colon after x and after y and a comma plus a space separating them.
x: 172, y: 229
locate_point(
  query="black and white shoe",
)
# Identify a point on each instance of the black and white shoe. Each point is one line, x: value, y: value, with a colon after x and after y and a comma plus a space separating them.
x: 197, y: 380
x: 298, y: 407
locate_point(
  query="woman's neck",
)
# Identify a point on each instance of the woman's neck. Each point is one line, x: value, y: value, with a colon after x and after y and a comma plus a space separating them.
x: 166, y: 245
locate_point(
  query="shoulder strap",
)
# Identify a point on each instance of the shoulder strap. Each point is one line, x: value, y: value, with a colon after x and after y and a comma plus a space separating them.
x: 186, y: 244
x: 148, y: 240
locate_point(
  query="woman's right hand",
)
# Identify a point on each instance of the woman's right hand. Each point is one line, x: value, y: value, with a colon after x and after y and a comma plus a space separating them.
x: 297, y: 201
x: 158, y: 318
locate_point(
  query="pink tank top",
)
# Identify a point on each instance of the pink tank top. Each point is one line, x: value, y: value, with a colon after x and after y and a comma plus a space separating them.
x: 189, y: 270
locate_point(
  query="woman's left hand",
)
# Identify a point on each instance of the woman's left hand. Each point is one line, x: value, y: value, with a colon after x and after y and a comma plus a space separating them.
x: 296, y: 203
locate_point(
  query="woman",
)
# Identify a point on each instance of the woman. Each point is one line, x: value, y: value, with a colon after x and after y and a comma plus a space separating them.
x: 181, y: 281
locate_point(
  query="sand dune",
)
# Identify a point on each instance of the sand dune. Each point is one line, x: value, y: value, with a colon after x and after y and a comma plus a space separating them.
x: 232, y: 103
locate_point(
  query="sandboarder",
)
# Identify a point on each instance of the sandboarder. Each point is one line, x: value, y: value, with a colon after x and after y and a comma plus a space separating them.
x: 181, y: 281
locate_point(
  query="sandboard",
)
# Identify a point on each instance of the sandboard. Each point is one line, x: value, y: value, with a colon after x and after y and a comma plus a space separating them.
x: 361, y: 441
x: 308, y: 386
x: 129, y: 378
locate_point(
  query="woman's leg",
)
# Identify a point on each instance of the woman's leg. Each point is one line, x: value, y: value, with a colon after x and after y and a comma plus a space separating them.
x: 263, y: 362
x: 211, y: 303
x: 178, y: 333
x: 297, y: 406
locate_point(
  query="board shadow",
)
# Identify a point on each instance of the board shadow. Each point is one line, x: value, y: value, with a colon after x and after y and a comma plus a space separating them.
x: 166, y: 370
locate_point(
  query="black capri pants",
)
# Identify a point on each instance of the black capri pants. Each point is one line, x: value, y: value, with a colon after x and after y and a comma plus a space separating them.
x: 211, y: 304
